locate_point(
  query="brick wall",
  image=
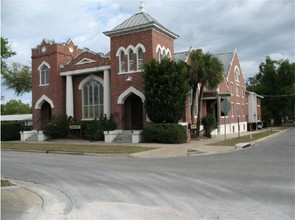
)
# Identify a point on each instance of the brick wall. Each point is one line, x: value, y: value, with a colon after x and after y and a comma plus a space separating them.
x: 149, y: 39
x: 54, y: 55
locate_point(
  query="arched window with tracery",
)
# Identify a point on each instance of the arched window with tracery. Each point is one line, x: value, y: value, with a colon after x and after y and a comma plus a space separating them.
x: 130, y: 60
x: 44, y: 73
x: 159, y: 54
x: 139, y: 59
x: 122, y: 62
x: 92, y: 99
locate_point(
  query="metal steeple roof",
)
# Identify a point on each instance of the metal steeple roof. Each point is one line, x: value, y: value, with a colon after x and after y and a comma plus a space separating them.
x: 139, y: 21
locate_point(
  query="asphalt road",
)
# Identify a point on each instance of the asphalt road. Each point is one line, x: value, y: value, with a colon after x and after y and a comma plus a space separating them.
x: 256, y: 183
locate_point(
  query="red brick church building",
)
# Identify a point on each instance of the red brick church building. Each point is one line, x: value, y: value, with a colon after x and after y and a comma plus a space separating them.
x: 84, y: 84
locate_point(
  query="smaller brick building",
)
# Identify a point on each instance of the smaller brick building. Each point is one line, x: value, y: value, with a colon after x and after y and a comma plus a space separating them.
x: 86, y: 85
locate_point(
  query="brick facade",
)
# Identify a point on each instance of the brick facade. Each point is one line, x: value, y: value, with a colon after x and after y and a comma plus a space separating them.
x: 70, y: 65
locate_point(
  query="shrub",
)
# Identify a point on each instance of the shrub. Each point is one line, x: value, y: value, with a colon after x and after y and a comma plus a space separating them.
x: 10, y: 131
x: 208, y: 122
x: 170, y: 133
x: 58, y: 127
x: 165, y: 89
x: 93, y: 130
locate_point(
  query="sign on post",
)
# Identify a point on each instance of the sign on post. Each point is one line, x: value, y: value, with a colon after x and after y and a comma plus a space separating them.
x: 225, y: 108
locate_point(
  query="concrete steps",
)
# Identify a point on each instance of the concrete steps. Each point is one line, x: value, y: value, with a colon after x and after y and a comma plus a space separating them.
x: 124, y: 137
x: 34, y: 137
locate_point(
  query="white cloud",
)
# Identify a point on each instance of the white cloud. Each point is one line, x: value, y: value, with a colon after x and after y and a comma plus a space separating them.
x: 256, y: 28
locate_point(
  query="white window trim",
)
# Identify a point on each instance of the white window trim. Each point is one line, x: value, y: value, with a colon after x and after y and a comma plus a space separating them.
x: 237, y: 70
x: 40, y: 69
x: 137, y: 59
x: 41, y: 100
x: 80, y: 87
x: 163, y: 51
x: 232, y: 109
x: 237, y: 94
x: 126, y: 53
x: 129, y: 70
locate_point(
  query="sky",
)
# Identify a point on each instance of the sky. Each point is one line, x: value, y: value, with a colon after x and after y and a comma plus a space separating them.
x: 255, y: 28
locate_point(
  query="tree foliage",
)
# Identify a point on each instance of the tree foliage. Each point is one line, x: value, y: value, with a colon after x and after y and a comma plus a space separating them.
x: 6, y: 52
x: 205, y: 70
x: 17, y: 77
x: 166, y: 88
x: 276, y: 82
x: 15, y: 107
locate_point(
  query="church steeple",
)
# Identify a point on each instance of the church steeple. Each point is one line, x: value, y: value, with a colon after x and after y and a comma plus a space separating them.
x: 141, y: 6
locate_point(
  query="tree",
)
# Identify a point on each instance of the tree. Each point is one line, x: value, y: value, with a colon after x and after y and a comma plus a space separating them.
x: 166, y: 88
x: 6, y: 52
x: 275, y: 81
x: 205, y: 70
x: 16, y: 77
x: 15, y: 107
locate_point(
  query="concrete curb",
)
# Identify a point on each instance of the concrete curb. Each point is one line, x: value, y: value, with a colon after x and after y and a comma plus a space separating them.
x: 269, y: 136
x: 241, y: 146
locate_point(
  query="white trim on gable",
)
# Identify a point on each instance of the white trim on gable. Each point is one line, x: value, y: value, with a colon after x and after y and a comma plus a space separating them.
x: 85, y: 71
x: 85, y: 61
x: 43, y: 99
x: 128, y: 92
x: 88, y: 78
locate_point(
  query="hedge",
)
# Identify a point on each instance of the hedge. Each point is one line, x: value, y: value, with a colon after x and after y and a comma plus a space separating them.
x: 10, y: 131
x: 170, y: 133
x: 93, y: 130
x: 58, y: 127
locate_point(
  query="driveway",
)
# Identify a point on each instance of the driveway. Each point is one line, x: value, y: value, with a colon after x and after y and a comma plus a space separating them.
x: 256, y: 183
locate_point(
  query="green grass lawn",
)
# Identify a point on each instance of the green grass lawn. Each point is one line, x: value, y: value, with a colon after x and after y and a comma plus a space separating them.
x: 245, y: 138
x: 73, y: 148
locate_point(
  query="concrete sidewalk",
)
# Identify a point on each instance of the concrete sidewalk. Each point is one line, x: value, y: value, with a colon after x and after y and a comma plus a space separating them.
x: 19, y: 203
x: 192, y: 148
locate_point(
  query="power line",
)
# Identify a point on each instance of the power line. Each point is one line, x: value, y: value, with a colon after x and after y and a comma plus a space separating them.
x: 274, y: 96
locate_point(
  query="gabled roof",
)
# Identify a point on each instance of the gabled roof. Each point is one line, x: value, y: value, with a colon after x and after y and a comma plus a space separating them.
x: 226, y: 60
x: 139, y: 21
x: 84, y: 50
x: 182, y: 55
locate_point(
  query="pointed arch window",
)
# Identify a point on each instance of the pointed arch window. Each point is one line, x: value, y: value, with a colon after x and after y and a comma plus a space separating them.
x: 92, y: 99
x: 122, y: 62
x: 44, y: 75
x: 237, y: 74
x: 159, y: 54
x: 130, y: 60
x: 168, y: 55
x: 139, y: 59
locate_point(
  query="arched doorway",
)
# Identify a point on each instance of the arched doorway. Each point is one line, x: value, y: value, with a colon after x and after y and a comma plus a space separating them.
x: 45, y: 114
x: 133, y: 113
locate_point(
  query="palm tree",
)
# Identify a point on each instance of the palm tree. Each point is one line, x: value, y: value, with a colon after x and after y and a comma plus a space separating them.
x: 205, y: 70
